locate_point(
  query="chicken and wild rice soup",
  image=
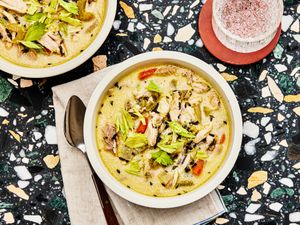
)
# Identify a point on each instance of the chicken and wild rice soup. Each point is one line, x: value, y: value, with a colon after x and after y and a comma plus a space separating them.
x: 44, y: 33
x: 162, y: 130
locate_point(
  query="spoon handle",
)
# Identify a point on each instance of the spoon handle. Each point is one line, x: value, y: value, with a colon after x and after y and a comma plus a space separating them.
x: 108, y: 211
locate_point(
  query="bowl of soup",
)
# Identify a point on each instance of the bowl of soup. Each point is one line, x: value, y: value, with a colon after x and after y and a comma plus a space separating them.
x: 163, y: 129
x: 50, y: 37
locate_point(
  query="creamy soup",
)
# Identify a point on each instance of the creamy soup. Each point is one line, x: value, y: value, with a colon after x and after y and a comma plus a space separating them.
x: 163, y: 130
x: 46, y: 33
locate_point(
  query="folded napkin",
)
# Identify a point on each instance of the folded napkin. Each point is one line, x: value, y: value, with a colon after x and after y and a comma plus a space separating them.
x: 82, y: 200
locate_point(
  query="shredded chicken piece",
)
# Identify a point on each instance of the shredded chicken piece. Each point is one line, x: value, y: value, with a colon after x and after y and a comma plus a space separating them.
x: 9, y: 16
x: 195, y: 98
x: 205, y: 119
x: 209, y: 140
x: 175, y: 178
x: 142, y: 93
x: 166, y: 131
x: 202, y: 134
x: 174, y: 109
x: 115, y: 147
x: 184, y: 94
x: 49, y: 43
x: 185, y: 162
x: 151, y: 133
x: 162, y: 127
x: 163, y: 106
x: 174, y: 137
x: 53, y: 43
x: 11, y: 19
x: 156, y: 119
x: 188, y: 73
x: 15, y: 5
x: 187, y: 115
x: 200, y: 87
x: 166, y: 70
x: 4, y: 33
x: 109, y: 132
x: 214, y: 100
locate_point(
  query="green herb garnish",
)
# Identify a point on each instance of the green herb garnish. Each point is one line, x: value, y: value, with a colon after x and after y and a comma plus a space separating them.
x: 30, y: 44
x: 35, y: 32
x: 136, y: 140
x: 178, y: 129
x: 171, y: 148
x: 66, y: 17
x: 162, y: 158
x: 69, y: 6
x: 153, y: 87
x: 133, y: 168
x: 138, y: 114
x: 201, y: 155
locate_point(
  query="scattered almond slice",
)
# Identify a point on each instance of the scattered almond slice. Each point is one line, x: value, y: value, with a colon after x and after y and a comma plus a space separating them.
x: 127, y: 10
x: 17, y: 191
x: 156, y: 49
x: 121, y: 34
x: 24, y: 83
x: 292, y: 98
x: 275, y: 90
x: 146, y: 43
x: 51, y: 161
x: 260, y: 110
x: 255, y: 196
x: 221, y: 220
x: 229, y: 77
x: 5, y: 122
x: 257, y: 178
x: 185, y: 33
x: 15, y: 135
x: 297, y: 110
x: 280, y: 117
x: 284, y: 143
x: 241, y: 191
x: 8, y: 218
x: 22, y: 115
x: 157, y: 38
x: 263, y: 75
x: 100, y: 62
x: 297, y: 166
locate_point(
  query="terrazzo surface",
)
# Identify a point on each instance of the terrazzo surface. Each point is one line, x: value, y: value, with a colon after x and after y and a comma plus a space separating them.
x: 263, y: 187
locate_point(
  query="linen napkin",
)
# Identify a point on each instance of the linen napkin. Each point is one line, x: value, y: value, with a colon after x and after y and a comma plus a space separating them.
x: 82, y: 200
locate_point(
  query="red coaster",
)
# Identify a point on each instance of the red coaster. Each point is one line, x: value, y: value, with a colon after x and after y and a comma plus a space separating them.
x: 216, y: 48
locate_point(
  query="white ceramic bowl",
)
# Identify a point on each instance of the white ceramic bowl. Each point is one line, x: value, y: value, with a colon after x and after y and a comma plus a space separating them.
x: 71, y: 64
x: 211, y: 75
x: 246, y: 45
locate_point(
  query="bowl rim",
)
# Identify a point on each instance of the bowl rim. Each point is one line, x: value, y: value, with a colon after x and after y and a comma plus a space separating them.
x: 27, y: 72
x: 251, y: 39
x: 160, y: 202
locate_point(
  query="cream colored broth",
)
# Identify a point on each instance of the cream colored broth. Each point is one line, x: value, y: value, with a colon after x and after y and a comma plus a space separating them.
x: 76, y: 41
x: 152, y: 185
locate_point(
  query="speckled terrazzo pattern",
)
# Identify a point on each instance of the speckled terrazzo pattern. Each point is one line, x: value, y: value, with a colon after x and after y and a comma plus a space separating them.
x: 31, y: 188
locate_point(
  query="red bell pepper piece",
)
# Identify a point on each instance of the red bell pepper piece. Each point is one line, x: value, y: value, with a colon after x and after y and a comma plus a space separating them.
x: 222, y: 139
x: 197, y: 169
x: 147, y: 73
x: 142, y: 127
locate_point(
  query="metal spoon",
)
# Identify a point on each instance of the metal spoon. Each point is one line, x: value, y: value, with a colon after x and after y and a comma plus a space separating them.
x: 73, y: 130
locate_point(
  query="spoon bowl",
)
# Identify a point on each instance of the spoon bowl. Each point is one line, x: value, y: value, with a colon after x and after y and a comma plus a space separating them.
x: 73, y: 123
